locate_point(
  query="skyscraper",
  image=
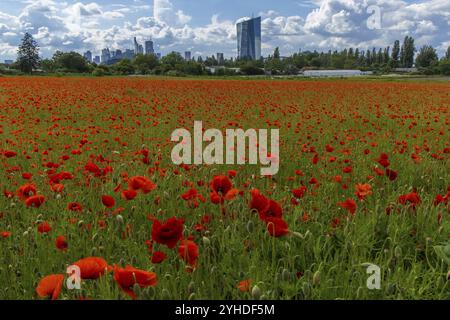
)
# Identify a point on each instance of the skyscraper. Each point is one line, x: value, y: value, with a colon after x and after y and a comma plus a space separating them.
x: 249, y: 39
x: 106, y: 55
x: 88, y: 56
x: 187, y: 55
x: 149, y: 47
x: 136, y: 46
x: 220, y: 59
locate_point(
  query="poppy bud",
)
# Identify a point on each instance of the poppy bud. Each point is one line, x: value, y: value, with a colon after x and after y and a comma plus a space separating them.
x: 119, y: 219
x: 286, y: 275
x: 359, y: 292
x: 398, y: 251
x: 136, y: 288
x: 122, y: 262
x: 101, y: 248
x: 25, y: 234
x: 191, y: 287
x: 316, y: 278
x: 250, y: 226
x: 94, y: 237
x: 94, y: 251
x: 256, y: 293
x: 80, y: 223
x: 165, y: 294
x: 306, y: 289
x: 206, y: 241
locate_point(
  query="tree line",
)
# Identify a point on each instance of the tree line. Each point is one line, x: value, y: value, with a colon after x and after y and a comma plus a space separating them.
x: 383, y: 60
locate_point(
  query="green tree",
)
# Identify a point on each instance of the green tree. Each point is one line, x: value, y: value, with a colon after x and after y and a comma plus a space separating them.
x: 70, y: 62
x: 124, y: 67
x: 172, y: 59
x: 145, y: 63
x: 28, y: 54
x: 447, y: 54
x: 427, y: 57
x: 408, y: 52
x: 396, y: 53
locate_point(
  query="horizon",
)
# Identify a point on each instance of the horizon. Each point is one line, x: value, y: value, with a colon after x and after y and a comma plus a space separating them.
x: 208, y: 27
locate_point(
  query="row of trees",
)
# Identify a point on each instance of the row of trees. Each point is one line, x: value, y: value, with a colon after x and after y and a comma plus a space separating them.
x: 382, y: 59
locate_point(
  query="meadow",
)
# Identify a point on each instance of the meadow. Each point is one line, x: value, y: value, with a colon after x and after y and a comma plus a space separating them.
x: 87, y: 180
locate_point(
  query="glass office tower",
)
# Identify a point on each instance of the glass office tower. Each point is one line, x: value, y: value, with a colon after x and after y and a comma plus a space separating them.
x: 249, y: 39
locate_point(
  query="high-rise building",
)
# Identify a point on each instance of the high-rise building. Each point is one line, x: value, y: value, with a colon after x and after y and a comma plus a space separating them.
x: 187, y: 55
x: 220, y: 59
x: 128, y: 54
x: 118, y: 54
x: 140, y: 49
x: 106, y: 55
x: 9, y: 62
x: 136, y: 46
x: 88, y: 56
x: 149, y: 47
x: 97, y: 59
x: 249, y: 39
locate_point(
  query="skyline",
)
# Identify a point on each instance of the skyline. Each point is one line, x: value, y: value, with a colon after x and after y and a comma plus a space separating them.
x: 207, y: 27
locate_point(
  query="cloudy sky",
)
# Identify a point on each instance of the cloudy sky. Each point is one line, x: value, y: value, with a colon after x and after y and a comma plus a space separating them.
x: 208, y: 26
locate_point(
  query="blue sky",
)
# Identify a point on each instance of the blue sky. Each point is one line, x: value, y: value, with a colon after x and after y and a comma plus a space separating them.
x: 208, y: 26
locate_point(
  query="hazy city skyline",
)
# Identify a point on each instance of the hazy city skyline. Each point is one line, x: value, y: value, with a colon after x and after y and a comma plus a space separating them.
x: 207, y: 27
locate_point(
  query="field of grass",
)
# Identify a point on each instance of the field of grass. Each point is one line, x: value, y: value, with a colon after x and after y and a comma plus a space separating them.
x: 87, y: 178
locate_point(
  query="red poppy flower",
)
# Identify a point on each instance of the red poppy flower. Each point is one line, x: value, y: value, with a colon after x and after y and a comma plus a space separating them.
x: 384, y: 160
x: 349, y: 205
x: 277, y: 227
x: 244, y: 285
x: 50, y: 286
x: 299, y: 192
x: 258, y: 202
x: 391, y: 174
x: 108, y: 201
x: 92, y: 267
x: 9, y: 153
x: 61, y: 243
x: 126, y: 279
x: 188, y: 251
x: 129, y: 194
x: 5, y: 234
x: 26, y: 191
x: 74, y: 206
x: 141, y: 183
x: 35, y: 201
x: 412, y: 198
x: 158, y: 257
x: 363, y: 190
x: 44, y: 227
x: 169, y: 232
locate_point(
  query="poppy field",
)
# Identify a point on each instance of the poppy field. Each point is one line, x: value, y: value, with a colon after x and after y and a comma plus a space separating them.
x: 87, y: 183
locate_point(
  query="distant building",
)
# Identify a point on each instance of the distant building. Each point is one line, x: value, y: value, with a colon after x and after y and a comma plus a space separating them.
x: 136, y: 46
x: 106, y: 55
x: 249, y: 39
x: 88, y: 56
x: 118, y: 54
x: 9, y: 62
x: 220, y: 59
x: 97, y: 59
x: 187, y: 55
x: 149, y: 47
x: 406, y: 70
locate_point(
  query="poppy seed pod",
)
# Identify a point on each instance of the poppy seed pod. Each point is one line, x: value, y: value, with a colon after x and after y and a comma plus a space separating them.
x: 316, y: 278
x: 398, y: 252
x: 250, y: 226
x: 191, y: 287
